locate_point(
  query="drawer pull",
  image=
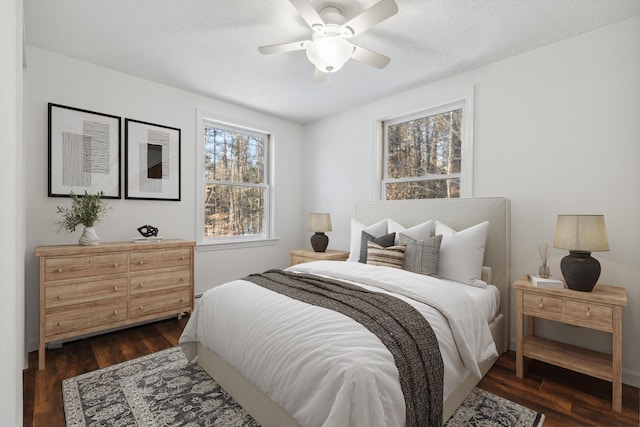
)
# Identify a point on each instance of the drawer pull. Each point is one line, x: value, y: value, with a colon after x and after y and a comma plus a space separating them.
x: 588, y: 311
x: 140, y: 284
x: 541, y: 305
x: 181, y: 258
x: 141, y: 262
x: 115, y: 289
x: 59, y: 270
x: 59, y: 323
x: 140, y: 307
x: 182, y: 279
x: 115, y: 312
x: 115, y: 264
x: 59, y: 296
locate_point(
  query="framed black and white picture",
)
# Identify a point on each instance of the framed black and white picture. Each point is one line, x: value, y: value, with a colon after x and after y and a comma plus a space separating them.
x: 152, y: 157
x: 84, y: 152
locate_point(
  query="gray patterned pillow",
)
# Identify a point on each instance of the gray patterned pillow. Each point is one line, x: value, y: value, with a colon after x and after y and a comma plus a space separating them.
x: 422, y: 257
x: 384, y: 241
x: 391, y: 256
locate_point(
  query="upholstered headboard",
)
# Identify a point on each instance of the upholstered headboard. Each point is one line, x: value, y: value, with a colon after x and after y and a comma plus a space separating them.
x: 457, y: 214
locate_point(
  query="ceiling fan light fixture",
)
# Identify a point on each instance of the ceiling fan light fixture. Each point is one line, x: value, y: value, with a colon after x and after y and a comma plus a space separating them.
x: 329, y: 53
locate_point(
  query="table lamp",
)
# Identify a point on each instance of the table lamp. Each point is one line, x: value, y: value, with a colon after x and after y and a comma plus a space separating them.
x: 581, y: 235
x: 319, y: 223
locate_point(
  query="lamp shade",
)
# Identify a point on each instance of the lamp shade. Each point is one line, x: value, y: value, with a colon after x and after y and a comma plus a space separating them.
x: 329, y: 53
x: 319, y: 222
x: 585, y: 233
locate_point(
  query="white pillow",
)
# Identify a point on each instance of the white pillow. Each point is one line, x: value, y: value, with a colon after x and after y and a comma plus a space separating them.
x: 462, y: 253
x: 420, y: 232
x: 378, y: 229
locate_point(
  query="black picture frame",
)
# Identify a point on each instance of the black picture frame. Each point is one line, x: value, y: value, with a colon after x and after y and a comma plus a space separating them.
x: 83, y: 152
x: 152, y: 161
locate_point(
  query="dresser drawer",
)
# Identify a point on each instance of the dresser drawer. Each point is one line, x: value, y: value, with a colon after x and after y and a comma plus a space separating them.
x: 593, y: 316
x: 154, y: 259
x: 542, y: 306
x: 85, y: 316
x: 80, y: 292
x: 158, y: 302
x: 84, y: 266
x: 150, y: 282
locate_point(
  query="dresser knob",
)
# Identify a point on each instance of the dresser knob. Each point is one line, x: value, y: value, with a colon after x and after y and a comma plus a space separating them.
x: 182, y: 279
x: 60, y: 323
x: 588, y: 311
x: 141, y: 262
x: 59, y: 270
x: 115, y: 264
x: 541, y: 305
x: 59, y: 296
x: 140, y: 284
x: 115, y: 288
x: 140, y: 307
x: 115, y: 312
x: 181, y: 258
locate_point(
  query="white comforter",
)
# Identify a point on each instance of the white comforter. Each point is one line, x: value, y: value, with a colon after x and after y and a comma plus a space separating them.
x: 321, y: 366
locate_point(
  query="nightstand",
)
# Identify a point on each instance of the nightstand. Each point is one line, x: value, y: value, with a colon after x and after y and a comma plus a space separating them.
x: 299, y: 256
x: 600, y: 309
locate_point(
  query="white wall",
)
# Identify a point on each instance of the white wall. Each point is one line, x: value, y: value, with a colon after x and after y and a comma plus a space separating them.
x: 557, y: 130
x: 62, y: 80
x: 11, y: 216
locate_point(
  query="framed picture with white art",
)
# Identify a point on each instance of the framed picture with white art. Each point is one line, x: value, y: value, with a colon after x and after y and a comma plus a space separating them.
x: 152, y: 161
x: 84, y: 152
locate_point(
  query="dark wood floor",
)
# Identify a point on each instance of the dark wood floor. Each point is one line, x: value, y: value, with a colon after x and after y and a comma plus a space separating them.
x: 566, y: 398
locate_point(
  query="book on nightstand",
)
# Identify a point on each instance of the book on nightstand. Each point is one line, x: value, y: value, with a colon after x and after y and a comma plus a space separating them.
x: 548, y: 282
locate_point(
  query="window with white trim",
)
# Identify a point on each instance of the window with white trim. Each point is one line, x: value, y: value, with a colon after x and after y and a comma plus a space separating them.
x: 427, y: 155
x: 236, y: 190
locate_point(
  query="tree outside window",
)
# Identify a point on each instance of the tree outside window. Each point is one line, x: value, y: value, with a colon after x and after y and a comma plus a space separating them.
x: 236, y: 183
x: 423, y: 155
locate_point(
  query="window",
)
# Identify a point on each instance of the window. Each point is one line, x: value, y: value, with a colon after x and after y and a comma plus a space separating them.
x: 236, y: 184
x: 424, y: 155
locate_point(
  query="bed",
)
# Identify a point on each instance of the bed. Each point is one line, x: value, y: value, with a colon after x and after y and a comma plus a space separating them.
x: 244, y: 375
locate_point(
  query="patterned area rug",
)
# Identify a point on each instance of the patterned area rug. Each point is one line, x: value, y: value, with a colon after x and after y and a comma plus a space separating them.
x: 162, y: 389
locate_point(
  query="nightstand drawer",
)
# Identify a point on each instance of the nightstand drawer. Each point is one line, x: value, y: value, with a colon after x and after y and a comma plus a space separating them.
x: 593, y: 316
x: 542, y: 306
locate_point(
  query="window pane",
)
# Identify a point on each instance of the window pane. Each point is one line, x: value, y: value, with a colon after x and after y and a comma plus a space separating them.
x: 429, y: 145
x: 233, y: 156
x: 433, y: 189
x: 233, y: 211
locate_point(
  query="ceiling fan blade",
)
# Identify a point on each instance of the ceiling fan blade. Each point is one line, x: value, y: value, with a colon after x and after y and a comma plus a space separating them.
x: 370, y: 57
x: 319, y: 76
x: 308, y: 12
x: 372, y: 16
x: 284, y: 47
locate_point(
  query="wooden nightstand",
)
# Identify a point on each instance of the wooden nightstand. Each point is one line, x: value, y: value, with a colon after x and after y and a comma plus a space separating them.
x: 600, y: 309
x: 299, y: 256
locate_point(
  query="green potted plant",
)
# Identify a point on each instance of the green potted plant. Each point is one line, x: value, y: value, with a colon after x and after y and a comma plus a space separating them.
x: 87, y: 210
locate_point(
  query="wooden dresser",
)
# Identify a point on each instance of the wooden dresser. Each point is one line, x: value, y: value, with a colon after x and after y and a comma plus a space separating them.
x: 88, y: 289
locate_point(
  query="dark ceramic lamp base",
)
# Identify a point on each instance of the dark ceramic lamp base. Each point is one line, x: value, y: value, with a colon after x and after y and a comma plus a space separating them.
x: 319, y: 242
x: 580, y: 270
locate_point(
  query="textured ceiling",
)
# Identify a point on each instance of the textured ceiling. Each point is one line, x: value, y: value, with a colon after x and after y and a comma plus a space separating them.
x: 210, y: 46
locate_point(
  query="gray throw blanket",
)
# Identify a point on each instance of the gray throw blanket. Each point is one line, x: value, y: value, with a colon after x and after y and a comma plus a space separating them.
x: 401, y: 328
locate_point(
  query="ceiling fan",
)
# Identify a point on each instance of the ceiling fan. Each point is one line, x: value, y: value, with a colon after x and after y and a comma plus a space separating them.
x: 329, y: 47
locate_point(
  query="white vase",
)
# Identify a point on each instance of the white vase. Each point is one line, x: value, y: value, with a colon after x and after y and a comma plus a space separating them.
x: 89, y: 237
